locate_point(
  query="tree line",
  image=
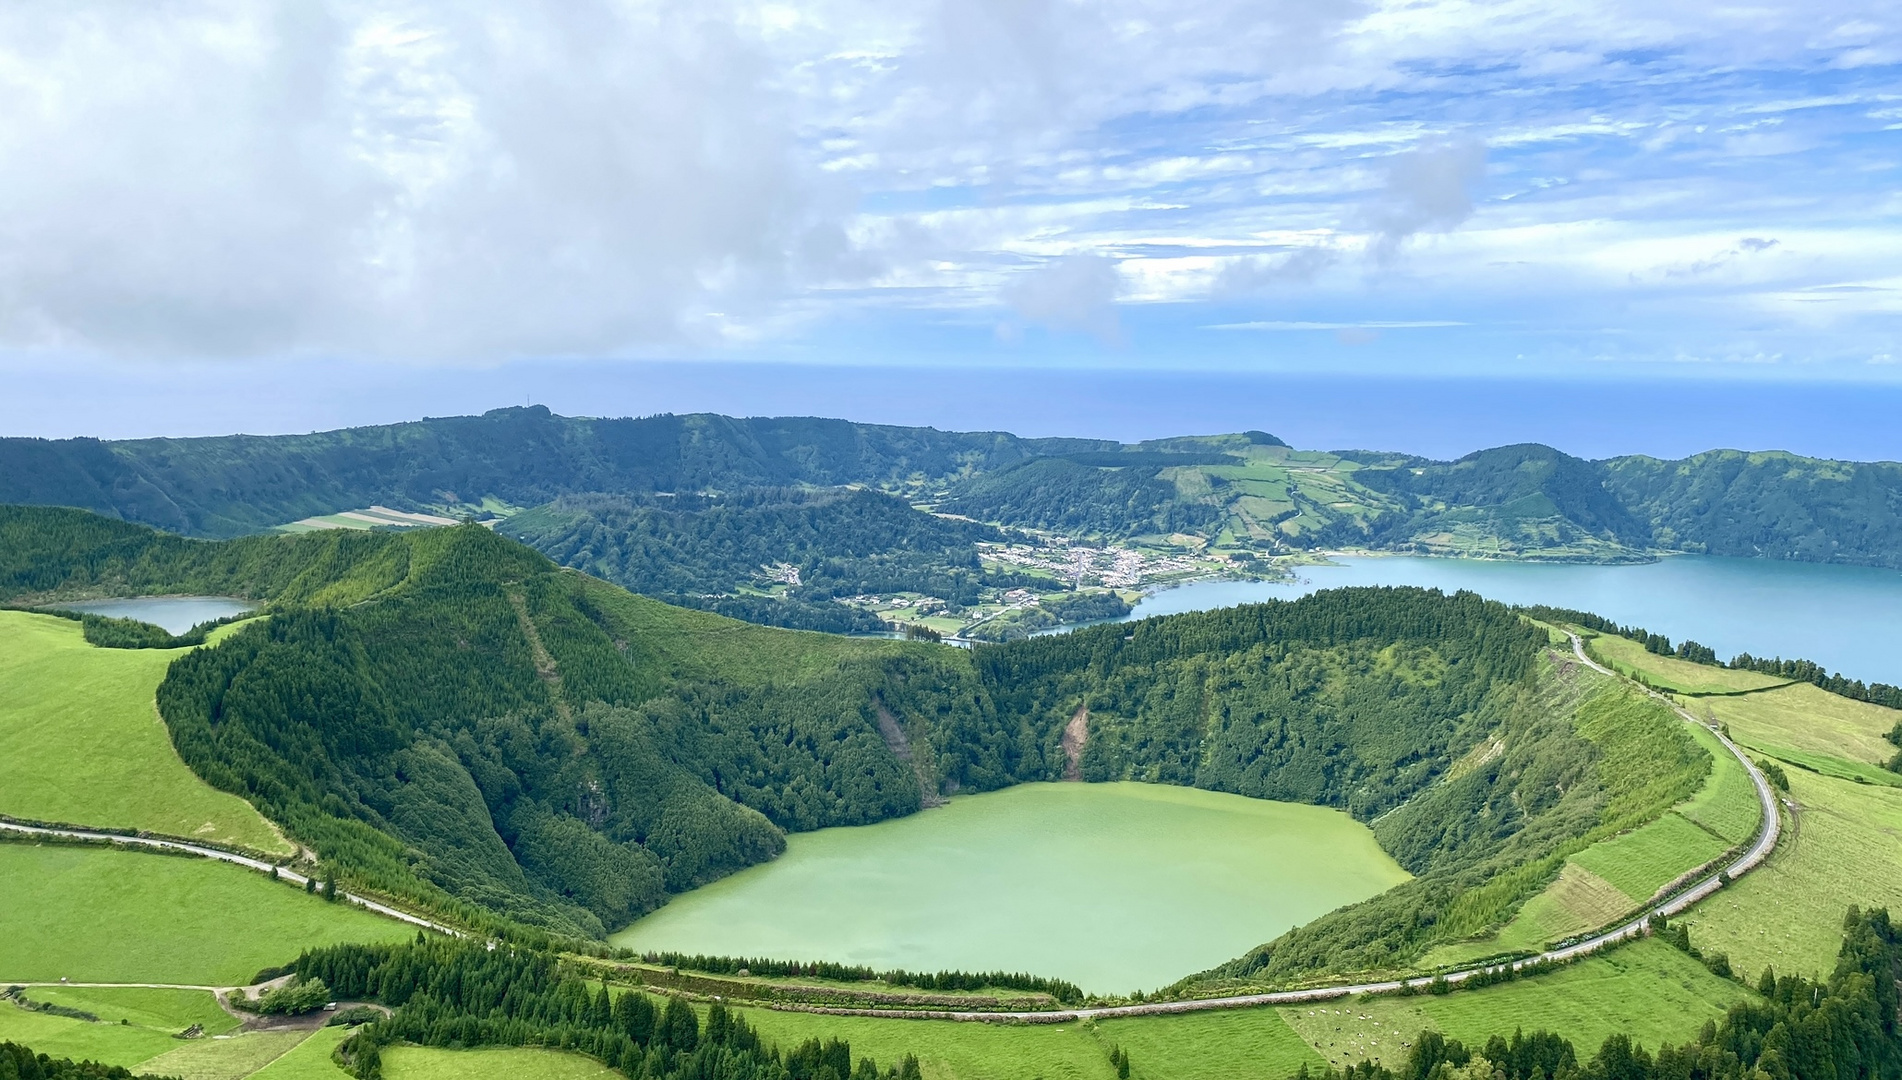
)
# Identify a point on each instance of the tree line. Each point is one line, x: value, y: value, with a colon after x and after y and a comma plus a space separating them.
x: 463, y: 994
x: 1060, y: 989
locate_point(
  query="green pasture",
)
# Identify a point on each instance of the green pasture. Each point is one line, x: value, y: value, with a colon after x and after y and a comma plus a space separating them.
x: 507, y: 1063
x: 1728, y: 804
x: 1669, y: 673
x: 1809, y: 719
x: 1647, y: 990
x: 81, y: 741
x: 59, y: 1036
x: 136, y: 1024
x: 1841, y: 768
x: 224, y: 1059
x: 159, y: 1008
x: 94, y: 914
x: 1576, y: 901
x: 1644, y: 860
x: 1051, y: 877
x: 309, y: 1060
x: 1227, y: 1044
x: 949, y: 1050
x: 1845, y: 847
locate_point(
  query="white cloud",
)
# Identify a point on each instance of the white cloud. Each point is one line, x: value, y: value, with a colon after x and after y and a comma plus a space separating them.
x: 412, y: 178
x: 1074, y: 293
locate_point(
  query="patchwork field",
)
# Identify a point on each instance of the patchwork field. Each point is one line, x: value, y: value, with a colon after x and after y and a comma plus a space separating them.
x: 97, y: 915
x: 81, y: 741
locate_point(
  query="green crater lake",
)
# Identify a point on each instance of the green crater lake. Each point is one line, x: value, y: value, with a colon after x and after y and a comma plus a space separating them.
x: 1115, y: 887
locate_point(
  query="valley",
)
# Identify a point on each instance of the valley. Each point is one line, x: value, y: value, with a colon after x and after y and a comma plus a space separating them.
x: 446, y: 721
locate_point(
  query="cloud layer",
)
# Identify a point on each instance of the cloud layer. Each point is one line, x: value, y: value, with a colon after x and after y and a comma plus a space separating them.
x: 472, y: 182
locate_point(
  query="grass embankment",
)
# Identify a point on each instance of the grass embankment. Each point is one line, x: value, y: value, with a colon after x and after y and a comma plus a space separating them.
x: 1845, y: 845
x: 1648, y: 990
x: 81, y: 741
x: 93, y: 914
x: 1616, y: 875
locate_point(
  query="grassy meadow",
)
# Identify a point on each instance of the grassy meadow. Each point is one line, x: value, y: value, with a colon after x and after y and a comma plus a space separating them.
x: 1648, y: 990
x: 310, y: 1059
x: 507, y: 1063
x: 81, y: 741
x: 94, y: 914
x: 1844, y: 848
x: 224, y: 1059
x: 948, y: 1050
x: 1627, y: 657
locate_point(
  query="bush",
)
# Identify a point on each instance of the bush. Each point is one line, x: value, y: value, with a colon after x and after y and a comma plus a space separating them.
x: 294, y: 998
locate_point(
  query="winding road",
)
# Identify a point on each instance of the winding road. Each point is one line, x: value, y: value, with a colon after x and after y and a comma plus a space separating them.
x: 70, y: 832
x: 1769, y: 832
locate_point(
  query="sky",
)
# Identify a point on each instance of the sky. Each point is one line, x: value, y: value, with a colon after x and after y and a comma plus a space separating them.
x: 225, y: 216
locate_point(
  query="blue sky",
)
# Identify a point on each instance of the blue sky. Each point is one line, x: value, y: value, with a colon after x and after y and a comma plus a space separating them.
x: 1404, y: 188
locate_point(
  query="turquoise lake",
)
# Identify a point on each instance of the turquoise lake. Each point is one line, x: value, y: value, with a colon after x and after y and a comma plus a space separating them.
x: 1847, y: 618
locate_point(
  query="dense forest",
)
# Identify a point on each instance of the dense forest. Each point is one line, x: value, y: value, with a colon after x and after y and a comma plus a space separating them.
x: 705, y: 551
x: 447, y: 718
x: 1078, y: 498
x: 231, y: 485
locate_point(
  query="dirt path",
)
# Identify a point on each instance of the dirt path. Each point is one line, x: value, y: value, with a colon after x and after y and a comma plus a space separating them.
x: 1075, y: 734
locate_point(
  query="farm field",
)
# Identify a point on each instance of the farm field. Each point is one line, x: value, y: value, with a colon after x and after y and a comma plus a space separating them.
x: 1648, y: 990
x: 224, y: 1059
x: 81, y: 741
x: 310, y: 1059
x: 948, y: 1050
x: 151, y: 1018
x: 1669, y: 673
x: 429, y: 1063
x: 1807, y: 719
x: 1845, y: 848
x: 93, y: 914
x: 1045, y: 873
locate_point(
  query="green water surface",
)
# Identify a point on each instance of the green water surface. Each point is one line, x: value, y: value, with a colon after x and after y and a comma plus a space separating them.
x: 1112, y: 886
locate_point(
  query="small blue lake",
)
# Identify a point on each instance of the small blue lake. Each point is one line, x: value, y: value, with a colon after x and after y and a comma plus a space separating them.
x: 1847, y: 618
x: 176, y: 614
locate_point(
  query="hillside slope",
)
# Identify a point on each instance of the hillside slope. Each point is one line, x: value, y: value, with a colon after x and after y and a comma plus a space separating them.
x: 1245, y: 492
x: 447, y: 717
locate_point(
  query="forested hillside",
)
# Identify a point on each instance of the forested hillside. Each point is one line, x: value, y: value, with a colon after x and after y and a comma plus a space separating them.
x: 231, y: 485
x: 1245, y: 492
x: 448, y: 718
x: 705, y: 552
